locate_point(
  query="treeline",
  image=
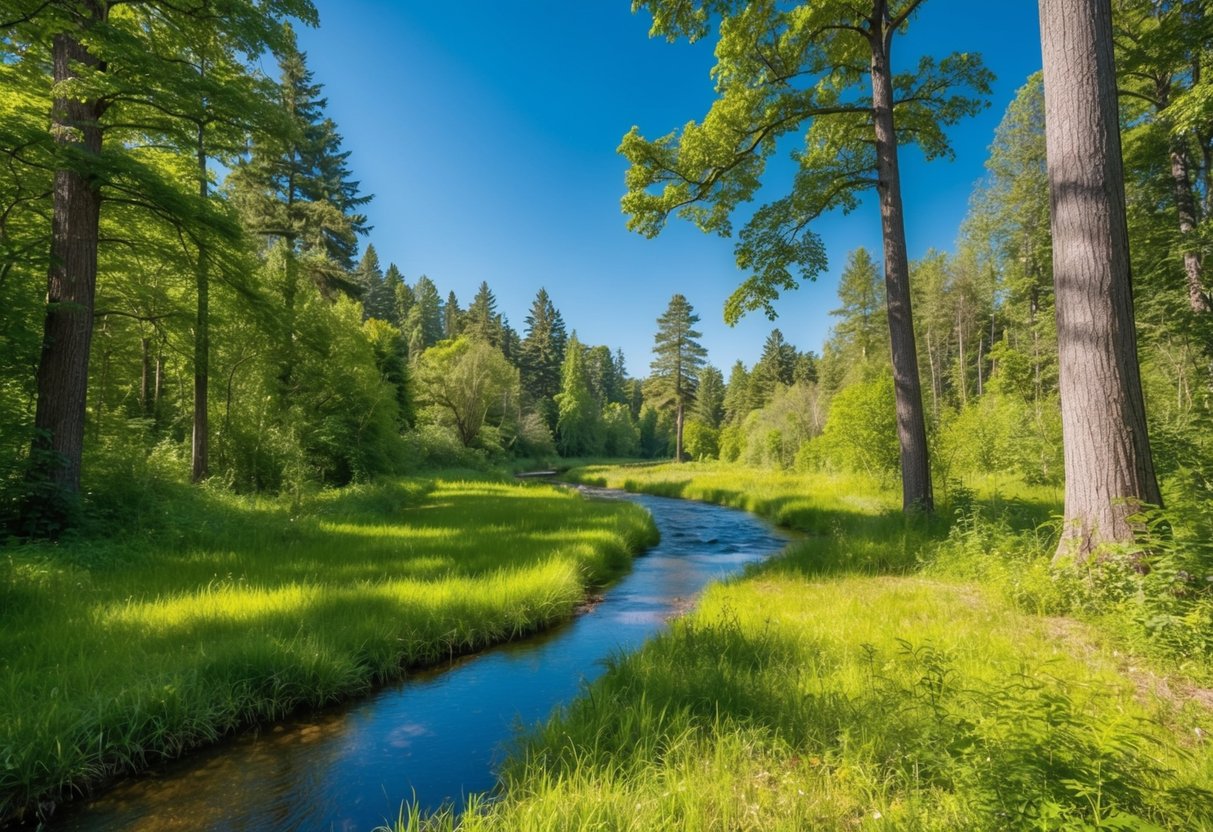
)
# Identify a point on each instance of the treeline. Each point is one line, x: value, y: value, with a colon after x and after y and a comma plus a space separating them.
x: 185, y: 290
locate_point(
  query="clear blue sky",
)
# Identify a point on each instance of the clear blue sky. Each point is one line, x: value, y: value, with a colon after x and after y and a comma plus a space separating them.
x: 487, y: 130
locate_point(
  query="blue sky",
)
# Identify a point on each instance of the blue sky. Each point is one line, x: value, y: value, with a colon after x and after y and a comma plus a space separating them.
x: 487, y: 131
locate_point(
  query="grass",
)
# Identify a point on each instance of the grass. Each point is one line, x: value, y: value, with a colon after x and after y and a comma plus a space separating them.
x: 118, y: 652
x: 838, y: 687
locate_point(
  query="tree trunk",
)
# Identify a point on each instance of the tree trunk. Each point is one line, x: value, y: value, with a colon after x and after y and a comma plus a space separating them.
x: 678, y: 432
x: 1185, y: 205
x: 911, y: 423
x: 1109, y: 472
x: 199, y: 469
x: 55, y: 454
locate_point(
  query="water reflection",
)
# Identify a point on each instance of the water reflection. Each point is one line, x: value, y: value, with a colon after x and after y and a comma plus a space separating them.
x: 438, y: 735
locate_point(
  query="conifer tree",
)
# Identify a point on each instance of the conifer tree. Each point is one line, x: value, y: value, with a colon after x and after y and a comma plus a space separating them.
x: 709, y: 401
x: 397, y: 294
x: 423, y: 324
x: 738, y: 396
x: 541, y: 356
x: 677, y: 360
x: 774, y: 368
x: 453, y: 317
x: 377, y: 298
x: 578, y: 414
x: 482, y: 320
x: 862, y: 294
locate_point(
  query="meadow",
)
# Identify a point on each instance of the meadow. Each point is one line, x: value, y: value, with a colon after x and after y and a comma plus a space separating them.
x: 869, y: 678
x: 219, y: 611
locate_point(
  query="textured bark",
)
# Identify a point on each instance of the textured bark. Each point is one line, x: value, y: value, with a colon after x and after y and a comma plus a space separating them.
x: 678, y: 432
x: 71, y: 287
x: 1185, y: 205
x: 1109, y: 471
x: 199, y: 469
x: 911, y: 422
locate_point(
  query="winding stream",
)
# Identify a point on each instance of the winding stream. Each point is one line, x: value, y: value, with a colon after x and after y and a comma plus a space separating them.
x: 437, y: 735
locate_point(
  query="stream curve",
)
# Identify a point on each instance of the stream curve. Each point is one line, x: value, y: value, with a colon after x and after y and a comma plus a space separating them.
x: 437, y: 735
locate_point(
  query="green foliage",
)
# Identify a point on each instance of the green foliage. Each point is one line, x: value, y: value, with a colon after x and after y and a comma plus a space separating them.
x: 860, y: 434
x: 469, y: 385
x: 620, y: 434
x: 578, y: 424
x: 701, y: 440
x: 200, y: 613
x: 1001, y: 434
x: 705, y: 171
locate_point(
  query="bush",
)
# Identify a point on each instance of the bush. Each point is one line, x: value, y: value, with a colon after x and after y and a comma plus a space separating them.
x: 700, y: 440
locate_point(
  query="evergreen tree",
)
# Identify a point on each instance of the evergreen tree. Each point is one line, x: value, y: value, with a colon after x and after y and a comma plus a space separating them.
x: 775, y: 367
x: 398, y: 294
x: 423, y: 324
x: 541, y: 356
x: 861, y: 290
x: 378, y: 299
x: 604, y: 383
x: 805, y: 370
x: 709, y: 401
x: 677, y: 360
x: 482, y: 320
x: 738, y: 395
x: 578, y: 421
x: 452, y: 318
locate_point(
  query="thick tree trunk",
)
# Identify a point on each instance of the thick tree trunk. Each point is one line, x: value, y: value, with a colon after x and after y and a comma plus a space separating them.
x: 911, y: 422
x: 62, y: 382
x: 200, y: 467
x: 1109, y: 472
x: 1185, y: 205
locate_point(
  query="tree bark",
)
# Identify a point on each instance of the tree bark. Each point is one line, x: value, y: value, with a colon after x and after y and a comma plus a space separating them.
x: 911, y: 422
x: 678, y: 432
x: 200, y: 463
x: 1109, y: 471
x: 1185, y: 205
x: 57, y: 448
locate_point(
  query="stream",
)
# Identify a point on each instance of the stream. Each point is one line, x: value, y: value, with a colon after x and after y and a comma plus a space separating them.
x: 438, y: 735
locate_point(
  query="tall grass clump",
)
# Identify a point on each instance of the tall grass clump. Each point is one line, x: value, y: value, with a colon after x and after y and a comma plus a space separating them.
x: 223, y: 611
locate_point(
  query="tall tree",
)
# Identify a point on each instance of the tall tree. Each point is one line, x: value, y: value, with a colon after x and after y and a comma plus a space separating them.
x: 1161, y: 47
x: 482, y: 320
x: 542, y: 356
x: 709, y: 400
x: 107, y: 74
x: 678, y: 358
x: 378, y: 297
x: 578, y: 424
x: 780, y: 66
x: 775, y: 367
x: 862, y: 296
x: 423, y: 325
x: 452, y: 317
x: 738, y: 395
x: 1109, y: 470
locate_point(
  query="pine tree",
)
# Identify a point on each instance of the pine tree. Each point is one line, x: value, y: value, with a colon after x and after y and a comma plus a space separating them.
x: 378, y: 299
x: 482, y: 320
x: 398, y: 294
x: 578, y: 414
x: 860, y: 326
x: 423, y: 323
x: 677, y: 360
x: 709, y: 401
x: 453, y: 317
x: 541, y: 356
x: 738, y: 395
x: 774, y: 368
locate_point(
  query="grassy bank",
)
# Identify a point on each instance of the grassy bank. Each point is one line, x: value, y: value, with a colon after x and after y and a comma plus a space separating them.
x: 118, y: 652
x: 841, y: 687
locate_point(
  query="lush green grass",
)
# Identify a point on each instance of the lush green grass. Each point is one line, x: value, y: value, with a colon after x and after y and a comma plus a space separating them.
x: 114, y: 653
x: 839, y: 688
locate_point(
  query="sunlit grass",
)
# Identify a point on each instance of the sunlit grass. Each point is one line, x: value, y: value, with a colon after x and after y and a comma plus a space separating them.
x: 837, y: 688
x: 116, y: 653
